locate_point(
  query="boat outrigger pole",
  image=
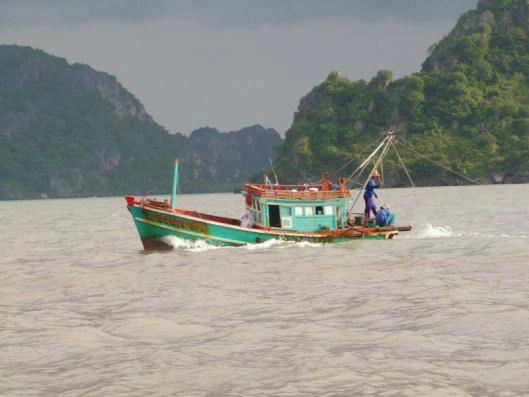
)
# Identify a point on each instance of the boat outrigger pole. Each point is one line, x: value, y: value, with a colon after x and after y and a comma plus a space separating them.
x: 383, y: 148
x: 175, y: 185
x: 273, y: 170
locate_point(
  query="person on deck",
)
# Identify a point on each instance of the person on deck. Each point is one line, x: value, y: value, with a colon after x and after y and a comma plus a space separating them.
x: 371, y: 185
x: 384, y: 216
x: 247, y: 220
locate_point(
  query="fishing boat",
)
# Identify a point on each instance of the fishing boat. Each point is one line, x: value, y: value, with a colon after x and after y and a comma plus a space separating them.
x: 316, y: 212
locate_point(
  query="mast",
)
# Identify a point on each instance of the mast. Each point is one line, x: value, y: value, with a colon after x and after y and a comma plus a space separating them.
x: 175, y: 185
x: 383, y: 148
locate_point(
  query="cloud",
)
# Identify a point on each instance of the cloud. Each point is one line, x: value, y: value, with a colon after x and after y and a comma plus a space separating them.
x: 192, y: 65
x: 225, y: 13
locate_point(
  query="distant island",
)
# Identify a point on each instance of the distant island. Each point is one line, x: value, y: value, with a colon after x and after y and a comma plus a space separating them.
x: 467, y: 109
x: 71, y: 131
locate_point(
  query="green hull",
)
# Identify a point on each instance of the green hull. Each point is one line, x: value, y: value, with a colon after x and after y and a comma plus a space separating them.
x: 153, y: 224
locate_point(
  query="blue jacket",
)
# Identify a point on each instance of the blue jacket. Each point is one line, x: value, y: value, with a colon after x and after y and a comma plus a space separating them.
x: 370, y: 188
x: 384, y: 217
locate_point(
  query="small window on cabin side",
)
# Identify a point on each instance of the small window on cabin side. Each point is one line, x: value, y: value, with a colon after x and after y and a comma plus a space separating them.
x: 319, y: 210
x: 298, y: 211
x: 287, y: 210
x: 328, y: 210
x: 308, y: 211
x: 286, y: 222
x: 258, y: 205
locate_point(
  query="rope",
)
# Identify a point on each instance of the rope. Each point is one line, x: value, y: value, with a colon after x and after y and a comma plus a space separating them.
x: 404, y: 166
x: 366, y: 161
x: 273, y: 170
x: 351, y: 160
x: 387, y: 141
x: 343, y: 167
x: 440, y: 165
x: 382, y: 172
x: 347, y: 163
x: 360, y: 172
x: 353, y: 182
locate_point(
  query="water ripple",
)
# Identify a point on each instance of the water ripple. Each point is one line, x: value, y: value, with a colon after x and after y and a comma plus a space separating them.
x: 445, y: 311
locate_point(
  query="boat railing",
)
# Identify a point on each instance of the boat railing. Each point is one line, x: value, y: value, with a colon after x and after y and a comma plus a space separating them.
x: 263, y: 186
x: 295, y: 192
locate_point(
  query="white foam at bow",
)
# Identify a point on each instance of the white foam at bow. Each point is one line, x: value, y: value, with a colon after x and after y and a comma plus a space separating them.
x: 188, y: 245
x: 280, y: 244
x: 202, y: 246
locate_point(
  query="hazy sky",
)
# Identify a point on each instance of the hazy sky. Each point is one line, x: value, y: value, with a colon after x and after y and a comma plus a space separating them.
x: 231, y: 63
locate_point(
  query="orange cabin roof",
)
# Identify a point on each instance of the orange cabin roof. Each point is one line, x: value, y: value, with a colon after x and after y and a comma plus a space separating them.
x: 320, y: 191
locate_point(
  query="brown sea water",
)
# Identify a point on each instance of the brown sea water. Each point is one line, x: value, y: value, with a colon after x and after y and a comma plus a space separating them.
x: 440, y: 311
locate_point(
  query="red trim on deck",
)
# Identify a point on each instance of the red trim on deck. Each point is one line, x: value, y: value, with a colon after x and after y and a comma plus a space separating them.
x: 295, y: 192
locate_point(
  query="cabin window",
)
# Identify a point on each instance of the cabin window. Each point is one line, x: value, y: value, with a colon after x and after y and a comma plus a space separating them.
x: 298, y: 211
x: 287, y: 211
x: 328, y: 210
x: 308, y: 211
x: 319, y: 210
x: 258, y: 205
x: 286, y: 222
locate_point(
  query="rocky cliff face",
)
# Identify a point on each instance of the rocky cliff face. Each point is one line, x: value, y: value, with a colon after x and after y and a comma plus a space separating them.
x: 69, y: 130
x: 483, y: 33
x: 231, y: 157
x: 27, y: 71
x: 467, y: 109
x: 125, y: 104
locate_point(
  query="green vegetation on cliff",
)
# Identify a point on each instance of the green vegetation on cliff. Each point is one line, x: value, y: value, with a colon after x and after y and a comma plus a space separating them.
x: 468, y: 108
x: 68, y: 130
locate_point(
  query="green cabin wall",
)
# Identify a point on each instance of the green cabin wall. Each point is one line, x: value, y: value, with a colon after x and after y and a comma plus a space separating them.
x: 304, y: 222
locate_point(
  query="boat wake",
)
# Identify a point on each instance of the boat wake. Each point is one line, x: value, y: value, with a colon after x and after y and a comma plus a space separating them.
x: 275, y: 243
x: 427, y: 230
x: 202, y: 246
x: 188, y: 245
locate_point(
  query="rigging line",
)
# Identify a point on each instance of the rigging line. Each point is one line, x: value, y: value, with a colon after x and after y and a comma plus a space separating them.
x: 359, y: 171
x: 356, y: 183
x: 439, y: 165
x: 382, y: 172
x: 359, y: 175
x: 387, y: 142
x: 404, y: 166
x: 389, y: 135
x: 361, y: 166
x: 343, y: 166
x: 274, y: 171
x: 351, y: 160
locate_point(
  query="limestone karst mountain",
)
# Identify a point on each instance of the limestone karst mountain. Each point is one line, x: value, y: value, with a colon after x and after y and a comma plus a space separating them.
x: 69, y: 131
x: 468, y: 108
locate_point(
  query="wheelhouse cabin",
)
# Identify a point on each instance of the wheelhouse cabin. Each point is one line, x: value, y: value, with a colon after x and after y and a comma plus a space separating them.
x: 303, y: 208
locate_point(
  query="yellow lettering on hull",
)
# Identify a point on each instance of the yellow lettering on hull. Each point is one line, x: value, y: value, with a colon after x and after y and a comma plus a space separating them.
x: 180, y: 223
